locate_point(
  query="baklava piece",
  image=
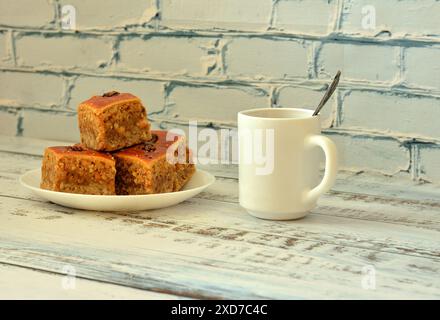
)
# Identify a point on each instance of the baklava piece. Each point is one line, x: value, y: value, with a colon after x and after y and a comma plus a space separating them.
x: 113, y: 121
x: 157, y: 166
x: 78, y: 170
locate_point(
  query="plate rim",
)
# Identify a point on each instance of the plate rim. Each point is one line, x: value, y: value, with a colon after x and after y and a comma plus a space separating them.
x: 211, y: 177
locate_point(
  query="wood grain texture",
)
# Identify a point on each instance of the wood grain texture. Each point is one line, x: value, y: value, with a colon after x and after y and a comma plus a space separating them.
x: 19, y: 283
x: 197, y: 260
x: 208, y: 247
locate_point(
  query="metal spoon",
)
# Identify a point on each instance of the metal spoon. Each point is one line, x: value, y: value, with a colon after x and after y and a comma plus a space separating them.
x: 328, y: 93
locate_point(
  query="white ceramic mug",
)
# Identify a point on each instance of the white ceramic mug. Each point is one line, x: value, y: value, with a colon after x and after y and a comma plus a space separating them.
x: 278, y: 164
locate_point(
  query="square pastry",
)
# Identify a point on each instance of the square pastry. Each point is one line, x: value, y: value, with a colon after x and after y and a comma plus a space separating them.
x: 76, y: 169
x: 113, y: 121
x: 160, y: 165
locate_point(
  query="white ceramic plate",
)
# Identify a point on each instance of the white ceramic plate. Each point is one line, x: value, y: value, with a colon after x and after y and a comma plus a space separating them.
x: 199, y: 181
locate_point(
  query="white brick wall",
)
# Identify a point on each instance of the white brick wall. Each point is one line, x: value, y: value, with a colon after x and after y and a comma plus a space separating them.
x: 26, y: 13
x: 317, y: 17
x: 220, y: 14
x: 8, y: 122
x: 47, y: 125
x: 33, y: 90
x: 268, y: 58
x: 422, y: 67
x: 430, y: 164
x: 111, y: 14
x: 392, y: 113
x: 358, y: 61
x: 2, y: 47
x: 412, y: 17
x: 65, y: 51
x: 371, y: 153
x: 206, y: 60
x: 213, y: 104
x: 158, y: 54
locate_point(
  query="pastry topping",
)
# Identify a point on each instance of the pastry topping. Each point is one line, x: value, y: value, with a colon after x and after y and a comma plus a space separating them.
x: 154, y: 138
x: 76, y: 147
x: 110, y: 94
x: 149, y: 147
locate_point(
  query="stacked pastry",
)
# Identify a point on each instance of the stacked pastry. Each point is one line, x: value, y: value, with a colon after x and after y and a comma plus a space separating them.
x: 118, y: 153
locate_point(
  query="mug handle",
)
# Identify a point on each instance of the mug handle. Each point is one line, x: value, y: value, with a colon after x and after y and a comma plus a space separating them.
x: 331, y: 166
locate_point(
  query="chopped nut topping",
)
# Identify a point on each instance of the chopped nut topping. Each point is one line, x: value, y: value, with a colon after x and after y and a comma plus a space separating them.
x: 110, y: 94
x: 154, y: 138
x: 149, y: 147
x: 76, y: 147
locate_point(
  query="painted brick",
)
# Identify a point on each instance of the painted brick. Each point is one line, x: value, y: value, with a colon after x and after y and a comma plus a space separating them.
x: 111, y: 14
x: 6, y: 52
x: 383, y: 155
x: 8, y: 122
x: 216, y: 14
x: 213, y: 103
x: 49, y: 125
x: 159, y: 54
x: 295, y: 16
x: 150, y: 92
x: 30, y: 89
x: 26, y: 13
x: 358, y: 62
x: 395, y: 113
x: 398, y: 17
x: 423, y: 67
x: 3, y: 52
x: 297, y: 97
x: 268, y: 58
x: 430, y: 163
x: 67, y: 52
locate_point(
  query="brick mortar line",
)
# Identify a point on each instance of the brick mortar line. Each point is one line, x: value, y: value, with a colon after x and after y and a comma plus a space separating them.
x: 353, y: 132
x: 317, y: 84
x: 338, y: 37
x: 18, y: 109
x: 338, y: 14
x: 414, y: 161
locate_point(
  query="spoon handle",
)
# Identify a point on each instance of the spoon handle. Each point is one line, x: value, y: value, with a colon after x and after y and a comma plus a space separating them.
x: 328, y: 93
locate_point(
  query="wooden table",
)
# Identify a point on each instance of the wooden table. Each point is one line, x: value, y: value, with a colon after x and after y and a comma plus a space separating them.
x: 370, y: 237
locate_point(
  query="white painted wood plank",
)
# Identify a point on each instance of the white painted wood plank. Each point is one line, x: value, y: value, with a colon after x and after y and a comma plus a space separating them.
x: 17, y: 283
x: 203, y: 261
x: 336, y: 221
